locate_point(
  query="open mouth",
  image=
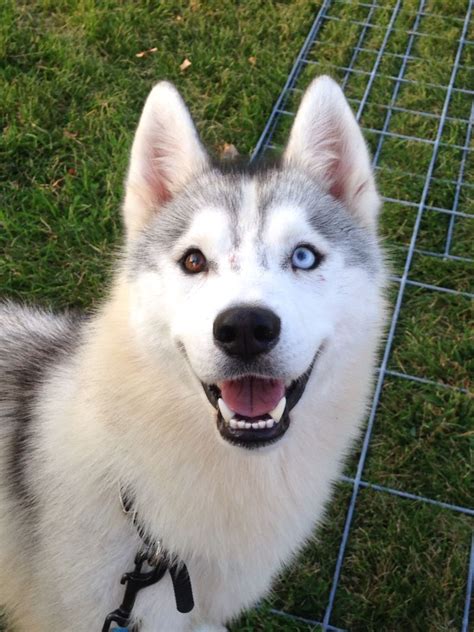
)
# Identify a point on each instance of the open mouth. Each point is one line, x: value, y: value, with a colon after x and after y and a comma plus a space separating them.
x: 252, y: 411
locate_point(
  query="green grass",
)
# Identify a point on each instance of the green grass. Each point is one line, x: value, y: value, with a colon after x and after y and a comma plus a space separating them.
x: 71, y: 91
x: 405, y: 569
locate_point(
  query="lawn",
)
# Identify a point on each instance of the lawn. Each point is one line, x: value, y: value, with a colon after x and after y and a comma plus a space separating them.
x: 74, y: 76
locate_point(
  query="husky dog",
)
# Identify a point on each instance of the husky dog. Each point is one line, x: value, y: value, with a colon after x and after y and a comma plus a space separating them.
x: 222, y: 382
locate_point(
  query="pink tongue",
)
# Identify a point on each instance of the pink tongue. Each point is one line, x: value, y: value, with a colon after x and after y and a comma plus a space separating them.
x: 252, y: 396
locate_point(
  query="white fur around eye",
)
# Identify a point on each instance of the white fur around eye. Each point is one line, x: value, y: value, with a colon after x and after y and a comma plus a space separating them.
x: 304, y: 258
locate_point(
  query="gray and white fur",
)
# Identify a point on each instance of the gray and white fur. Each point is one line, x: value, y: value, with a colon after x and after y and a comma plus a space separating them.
x: 89, y: 404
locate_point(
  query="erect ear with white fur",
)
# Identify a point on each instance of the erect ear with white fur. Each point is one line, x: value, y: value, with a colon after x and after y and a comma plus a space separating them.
x: 327, y: 142
x: 166, y: 152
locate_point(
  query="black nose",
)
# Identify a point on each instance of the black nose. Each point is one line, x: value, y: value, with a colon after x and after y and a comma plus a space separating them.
x: 246, y: 331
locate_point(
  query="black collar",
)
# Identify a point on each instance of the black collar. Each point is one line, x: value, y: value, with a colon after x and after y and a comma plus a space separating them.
x: 159, y: 561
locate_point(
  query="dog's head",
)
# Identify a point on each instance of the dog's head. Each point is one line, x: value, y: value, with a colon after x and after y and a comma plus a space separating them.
x: 249, y: 275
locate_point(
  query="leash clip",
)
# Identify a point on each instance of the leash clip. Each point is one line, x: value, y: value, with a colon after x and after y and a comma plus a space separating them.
x: 134, y: 582
x: 153, y: 553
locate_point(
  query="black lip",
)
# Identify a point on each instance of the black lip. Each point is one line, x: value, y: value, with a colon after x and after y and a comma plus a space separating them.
x: 257, y: 438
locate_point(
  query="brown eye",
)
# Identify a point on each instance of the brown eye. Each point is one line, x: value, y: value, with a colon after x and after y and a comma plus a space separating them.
x: 194, y: 261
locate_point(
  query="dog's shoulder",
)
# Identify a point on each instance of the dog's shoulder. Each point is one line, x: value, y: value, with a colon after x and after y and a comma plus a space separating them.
x: 31, y: 341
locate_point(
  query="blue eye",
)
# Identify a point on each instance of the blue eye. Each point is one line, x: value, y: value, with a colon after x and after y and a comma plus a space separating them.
x: 305, y: 258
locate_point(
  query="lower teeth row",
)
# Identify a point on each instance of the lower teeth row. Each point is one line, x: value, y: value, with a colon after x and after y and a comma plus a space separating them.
x: 255, y: 425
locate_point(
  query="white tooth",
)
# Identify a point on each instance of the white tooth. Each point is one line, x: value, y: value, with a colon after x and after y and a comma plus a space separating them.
x: 233, y: 423
x: 241, y: 424
x: 255, y: 425
x: 226, y: 412
x: 270, y: 423
x: 278, y: 411
x: 262, y: 423
x: 247, y: 425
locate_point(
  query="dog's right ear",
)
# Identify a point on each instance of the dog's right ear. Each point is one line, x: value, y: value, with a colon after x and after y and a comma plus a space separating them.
x: 166, y: 153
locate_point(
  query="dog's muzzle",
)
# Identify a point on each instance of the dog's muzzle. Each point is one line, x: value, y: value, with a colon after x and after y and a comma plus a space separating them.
x: 265, y: 427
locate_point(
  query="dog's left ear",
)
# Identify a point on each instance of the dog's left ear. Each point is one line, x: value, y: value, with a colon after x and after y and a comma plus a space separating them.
x: 326, y: 141
x: 166, y: 153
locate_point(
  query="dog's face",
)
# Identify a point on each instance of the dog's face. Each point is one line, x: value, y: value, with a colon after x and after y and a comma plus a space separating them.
x: 247, y: 275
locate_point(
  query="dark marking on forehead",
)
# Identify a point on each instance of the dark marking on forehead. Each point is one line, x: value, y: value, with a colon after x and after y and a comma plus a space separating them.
x: 233, y: 261
x: 241, y: 167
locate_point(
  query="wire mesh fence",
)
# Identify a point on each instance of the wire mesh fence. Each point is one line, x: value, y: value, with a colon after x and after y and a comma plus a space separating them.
x: 407, y: 68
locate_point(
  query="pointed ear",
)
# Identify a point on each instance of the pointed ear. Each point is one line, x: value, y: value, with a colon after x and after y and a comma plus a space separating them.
x: 166, y: 153
x: 326, y: 141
